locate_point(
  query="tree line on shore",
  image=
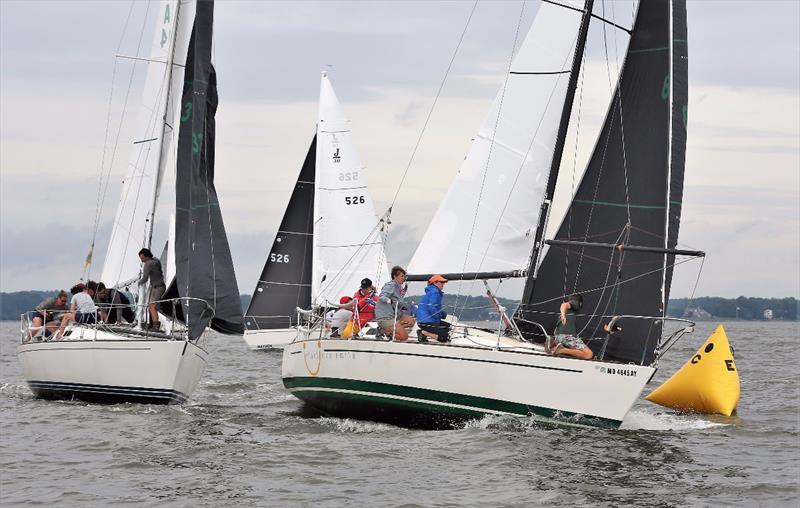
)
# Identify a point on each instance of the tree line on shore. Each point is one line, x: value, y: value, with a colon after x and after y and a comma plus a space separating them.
x: 479, y: 308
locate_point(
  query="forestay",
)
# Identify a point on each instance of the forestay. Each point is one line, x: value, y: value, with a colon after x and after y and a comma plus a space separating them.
x: 133, y: 222
x: 348, y: 244
x: 488, y: 218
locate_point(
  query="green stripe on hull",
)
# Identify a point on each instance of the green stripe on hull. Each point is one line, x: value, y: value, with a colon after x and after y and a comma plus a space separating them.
x: 314, y: 389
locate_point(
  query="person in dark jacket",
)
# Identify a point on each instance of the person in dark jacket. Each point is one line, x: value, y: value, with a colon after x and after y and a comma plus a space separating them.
x: 430, y: 315
x: 114, y: 304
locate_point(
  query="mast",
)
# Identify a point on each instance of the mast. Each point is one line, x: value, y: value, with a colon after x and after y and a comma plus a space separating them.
x: 552, y: 178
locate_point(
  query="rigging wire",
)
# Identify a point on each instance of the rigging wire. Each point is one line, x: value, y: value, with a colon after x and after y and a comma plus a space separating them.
x: 433, y: 106
x: 101, y: 193
x: 489, y: 156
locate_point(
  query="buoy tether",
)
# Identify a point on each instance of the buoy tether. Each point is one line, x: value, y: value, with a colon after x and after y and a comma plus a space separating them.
x: 708, y: 383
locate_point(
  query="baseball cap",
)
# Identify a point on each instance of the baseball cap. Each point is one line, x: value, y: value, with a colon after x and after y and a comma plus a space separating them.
x: 436, y: 278
x: 365, y: 283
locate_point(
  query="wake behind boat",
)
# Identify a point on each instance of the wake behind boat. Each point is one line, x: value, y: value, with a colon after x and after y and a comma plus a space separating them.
x: 163, y: 362
x: 616, y: 247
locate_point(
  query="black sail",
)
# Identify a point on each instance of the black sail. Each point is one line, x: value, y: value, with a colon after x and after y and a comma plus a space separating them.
x: 629, y: 194
x: 204, y: 268
x: 285, y: 281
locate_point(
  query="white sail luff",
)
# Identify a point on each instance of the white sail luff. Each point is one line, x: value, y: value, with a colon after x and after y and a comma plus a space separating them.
x: 488, y: 217
x: 348, y: 244
x: 151, y: 153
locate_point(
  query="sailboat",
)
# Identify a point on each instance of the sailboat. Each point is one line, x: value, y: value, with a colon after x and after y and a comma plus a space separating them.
x: 329, y: 239
x: 130, y: 363
x: 616, y: 246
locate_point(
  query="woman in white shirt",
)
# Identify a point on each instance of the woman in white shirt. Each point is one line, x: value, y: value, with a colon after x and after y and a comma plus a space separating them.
x: 82, y: 308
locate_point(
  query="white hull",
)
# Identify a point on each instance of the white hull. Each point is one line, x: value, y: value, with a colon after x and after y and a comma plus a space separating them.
x: 269, y: 339
x: 432, y: 385
x: 110, y: 368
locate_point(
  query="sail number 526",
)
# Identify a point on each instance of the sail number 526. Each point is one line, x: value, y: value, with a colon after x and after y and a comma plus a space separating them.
x: 279, y: 258
x: 354, y: 200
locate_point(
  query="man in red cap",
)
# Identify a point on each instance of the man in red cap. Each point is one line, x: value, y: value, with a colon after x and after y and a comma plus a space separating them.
x: 430, y: 315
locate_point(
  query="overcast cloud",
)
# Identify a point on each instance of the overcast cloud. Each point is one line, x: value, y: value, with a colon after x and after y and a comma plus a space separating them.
x: 742, y: 194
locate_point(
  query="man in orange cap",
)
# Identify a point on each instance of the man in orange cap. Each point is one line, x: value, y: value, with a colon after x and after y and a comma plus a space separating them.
x: 430, y: 315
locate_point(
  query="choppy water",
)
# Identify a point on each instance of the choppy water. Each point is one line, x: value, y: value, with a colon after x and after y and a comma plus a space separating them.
x: 243, y: 441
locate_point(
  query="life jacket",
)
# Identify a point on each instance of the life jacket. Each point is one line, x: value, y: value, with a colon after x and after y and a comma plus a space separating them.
x: 365, y: 305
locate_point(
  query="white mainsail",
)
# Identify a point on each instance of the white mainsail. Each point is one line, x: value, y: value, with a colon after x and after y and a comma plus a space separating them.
x: 488, y: 218
x: 348, y: 243
x: 151, y: 153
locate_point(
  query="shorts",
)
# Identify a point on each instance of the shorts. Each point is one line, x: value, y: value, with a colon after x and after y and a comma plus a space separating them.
x: 570, y: 342
x: 442, y: 329
x: 156, y: 292
x: 87, y: 318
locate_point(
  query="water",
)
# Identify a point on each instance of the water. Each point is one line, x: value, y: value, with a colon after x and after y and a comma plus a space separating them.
x: 243, y: 441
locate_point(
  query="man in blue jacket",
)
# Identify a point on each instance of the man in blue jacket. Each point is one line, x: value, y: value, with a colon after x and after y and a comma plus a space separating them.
x: 430, y: 316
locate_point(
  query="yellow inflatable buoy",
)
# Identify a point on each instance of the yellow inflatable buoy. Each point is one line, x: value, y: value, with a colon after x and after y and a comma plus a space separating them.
x: 708, y: 383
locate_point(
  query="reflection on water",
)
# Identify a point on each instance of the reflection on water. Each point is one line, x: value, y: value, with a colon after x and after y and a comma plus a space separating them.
x: 244, y: 441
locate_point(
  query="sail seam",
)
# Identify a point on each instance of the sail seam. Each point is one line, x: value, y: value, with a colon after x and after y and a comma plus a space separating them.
x: 539, y: 73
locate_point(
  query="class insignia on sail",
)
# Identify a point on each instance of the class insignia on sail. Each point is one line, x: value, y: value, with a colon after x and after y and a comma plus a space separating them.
x: 707, y: 383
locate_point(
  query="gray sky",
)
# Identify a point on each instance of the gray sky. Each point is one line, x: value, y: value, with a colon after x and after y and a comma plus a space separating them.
x: 742, y: 194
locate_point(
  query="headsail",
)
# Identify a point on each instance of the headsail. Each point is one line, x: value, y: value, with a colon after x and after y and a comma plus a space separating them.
x: 348, y: 243
x: 133, y: 222
x: 487, y: 220
x: 202, y: 257
x: 285, y: 281
x: 630, y: 193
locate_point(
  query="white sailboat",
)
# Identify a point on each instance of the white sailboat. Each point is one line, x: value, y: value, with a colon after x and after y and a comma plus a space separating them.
x: 119, y: 363
x: 329, y: 239
x: 616, y: 246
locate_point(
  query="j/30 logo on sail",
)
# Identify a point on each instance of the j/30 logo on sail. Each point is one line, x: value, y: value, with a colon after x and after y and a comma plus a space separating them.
x: 336, y: 157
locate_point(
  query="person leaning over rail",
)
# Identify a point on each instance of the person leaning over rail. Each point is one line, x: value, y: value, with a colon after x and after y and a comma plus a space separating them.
x: 567, y: 342
x: 82, y: 308
x: 114, y: 304
x: 46, y: 313
x: 151, y: 270
x: 430, y: 315
x: 391, y: 314
x: 341, y: 316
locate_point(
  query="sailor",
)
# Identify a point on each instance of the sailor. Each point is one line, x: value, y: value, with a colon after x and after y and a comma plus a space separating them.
x: 430, y: 315
x: 82, y: 308
x: 567, y: 342
x: 115, y: 304
x: 366, y: 298
x: 47, y: 312
x: 391, y: 313
x: 151, y: 270
x: 341, y: 316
